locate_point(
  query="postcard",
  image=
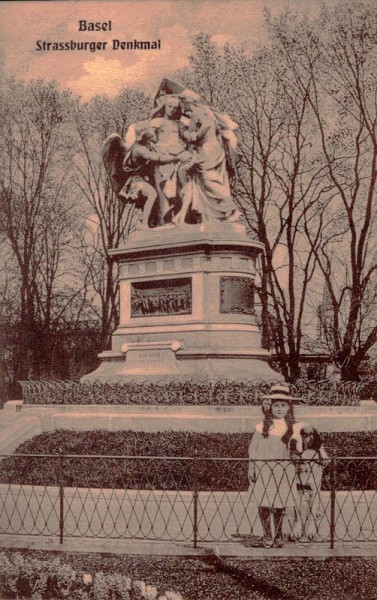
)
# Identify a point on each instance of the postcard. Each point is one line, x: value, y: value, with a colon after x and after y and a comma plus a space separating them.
x: 188, y: 298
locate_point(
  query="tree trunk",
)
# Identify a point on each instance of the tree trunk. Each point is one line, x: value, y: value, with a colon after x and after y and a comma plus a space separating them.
x: 350, y: 369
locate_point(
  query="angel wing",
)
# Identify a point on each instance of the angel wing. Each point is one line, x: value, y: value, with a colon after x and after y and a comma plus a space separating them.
x: 113, y: 154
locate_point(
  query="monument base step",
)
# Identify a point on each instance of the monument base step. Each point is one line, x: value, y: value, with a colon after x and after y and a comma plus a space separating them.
x: 251, y: 366
x: 34, y: 419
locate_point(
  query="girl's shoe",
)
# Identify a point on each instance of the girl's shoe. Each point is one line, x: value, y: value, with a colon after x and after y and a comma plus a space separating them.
x: 268, y: 542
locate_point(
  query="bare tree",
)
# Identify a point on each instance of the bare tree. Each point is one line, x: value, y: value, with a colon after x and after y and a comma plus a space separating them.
x: 337, y: 54
x: 108, y: 220
x: 278, y: 185
x: 208, y: 72
x: 36, y: 211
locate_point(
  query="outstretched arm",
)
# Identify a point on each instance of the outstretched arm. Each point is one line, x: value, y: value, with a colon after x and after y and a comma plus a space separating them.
x: 155, y: 157
x: 294, y: 451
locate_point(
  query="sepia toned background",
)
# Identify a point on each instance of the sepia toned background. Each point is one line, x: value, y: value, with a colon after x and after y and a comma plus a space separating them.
x: 173, y: 22
x: 299, y: 79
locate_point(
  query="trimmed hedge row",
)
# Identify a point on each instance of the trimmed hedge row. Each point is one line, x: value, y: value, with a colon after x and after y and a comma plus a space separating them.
x: 154, y: 473
x: 180, y: 443
x: 23, y: 578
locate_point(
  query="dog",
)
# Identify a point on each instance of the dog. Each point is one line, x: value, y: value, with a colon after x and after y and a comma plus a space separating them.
x: 310, y: 459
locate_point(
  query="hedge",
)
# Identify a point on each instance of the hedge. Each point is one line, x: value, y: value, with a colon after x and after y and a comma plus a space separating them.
x: 154, y: 473
x: 180, y: 443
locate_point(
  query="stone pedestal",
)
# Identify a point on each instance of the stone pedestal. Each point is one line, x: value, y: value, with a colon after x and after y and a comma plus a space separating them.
x: 186, y: 307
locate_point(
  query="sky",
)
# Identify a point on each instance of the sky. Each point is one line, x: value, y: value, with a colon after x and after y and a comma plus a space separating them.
x: 173, y: 22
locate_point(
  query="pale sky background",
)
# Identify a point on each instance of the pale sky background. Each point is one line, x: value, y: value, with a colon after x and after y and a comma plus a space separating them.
x: 86, y: 73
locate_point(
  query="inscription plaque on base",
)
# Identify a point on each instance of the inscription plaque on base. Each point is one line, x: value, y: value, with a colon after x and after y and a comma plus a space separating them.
x: 237, y: 295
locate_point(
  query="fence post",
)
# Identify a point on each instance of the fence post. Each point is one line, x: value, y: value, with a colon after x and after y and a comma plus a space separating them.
x: 332, y: 501
x: 61, y: 496
x: 195, y: 499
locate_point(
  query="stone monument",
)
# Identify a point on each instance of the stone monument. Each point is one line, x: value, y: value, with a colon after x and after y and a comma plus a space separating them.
x: 187, y: 271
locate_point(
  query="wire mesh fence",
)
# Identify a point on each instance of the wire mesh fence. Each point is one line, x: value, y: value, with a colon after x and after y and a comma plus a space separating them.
x: 185, y: 499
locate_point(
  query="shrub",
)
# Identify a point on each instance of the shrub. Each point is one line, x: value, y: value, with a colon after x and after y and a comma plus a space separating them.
x: 31, y: 578
x: 179, y: 443
x: 241, y: 579
x: 152, y: 473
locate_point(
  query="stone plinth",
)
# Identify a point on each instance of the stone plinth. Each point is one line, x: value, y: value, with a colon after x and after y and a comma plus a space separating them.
x: 187, y: 307
x: 153, y: 418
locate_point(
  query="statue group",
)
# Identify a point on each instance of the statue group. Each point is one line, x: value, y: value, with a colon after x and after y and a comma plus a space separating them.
x: 176, y: 166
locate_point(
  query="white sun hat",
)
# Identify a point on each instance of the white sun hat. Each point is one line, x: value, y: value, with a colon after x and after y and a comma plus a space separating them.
x: 280, y: 391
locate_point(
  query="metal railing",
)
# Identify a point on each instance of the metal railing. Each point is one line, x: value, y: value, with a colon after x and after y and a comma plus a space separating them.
x: 224, y: 392
x: 185, y: 498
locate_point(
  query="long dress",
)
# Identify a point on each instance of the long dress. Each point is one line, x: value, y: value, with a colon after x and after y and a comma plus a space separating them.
x: 275, y: 474
x: 208, y: 188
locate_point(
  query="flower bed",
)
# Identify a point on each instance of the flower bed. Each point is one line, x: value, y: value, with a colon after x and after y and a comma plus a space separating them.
x: 241, y: 579
x: 27, y: 577
x: 154, y: 473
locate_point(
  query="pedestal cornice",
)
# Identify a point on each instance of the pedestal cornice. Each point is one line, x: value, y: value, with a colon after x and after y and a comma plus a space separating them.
x: 187, y: 239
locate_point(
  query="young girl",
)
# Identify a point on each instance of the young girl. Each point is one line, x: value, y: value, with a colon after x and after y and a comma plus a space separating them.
x: 271, y: 475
